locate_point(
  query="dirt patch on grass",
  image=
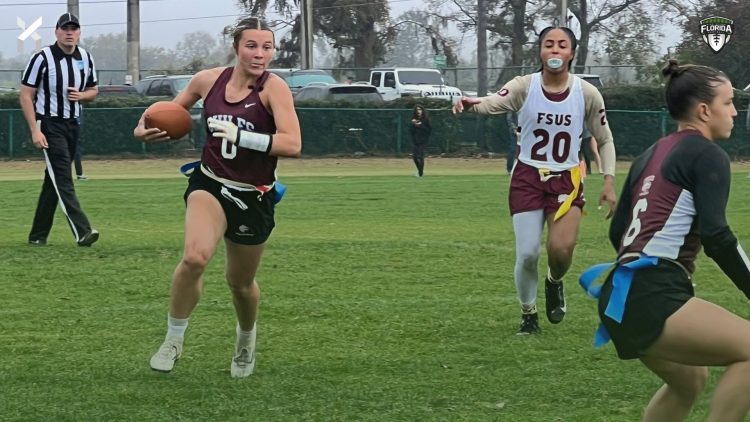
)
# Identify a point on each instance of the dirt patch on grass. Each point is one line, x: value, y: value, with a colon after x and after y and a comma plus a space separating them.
x: 149, y: 168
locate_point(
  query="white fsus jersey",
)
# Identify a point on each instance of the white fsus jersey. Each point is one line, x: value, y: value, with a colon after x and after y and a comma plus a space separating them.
x: 551, y: 130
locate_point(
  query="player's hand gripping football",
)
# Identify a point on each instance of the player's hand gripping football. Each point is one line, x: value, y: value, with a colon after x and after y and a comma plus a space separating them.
x: 222, y: 129
x: 150, y: 136
x: 463, y: 103
x: 608, y: 196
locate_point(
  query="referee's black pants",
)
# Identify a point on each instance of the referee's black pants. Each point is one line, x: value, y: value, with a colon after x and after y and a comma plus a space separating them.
x: 62, y: 140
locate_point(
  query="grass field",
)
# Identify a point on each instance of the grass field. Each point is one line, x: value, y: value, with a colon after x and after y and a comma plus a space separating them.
x: 385, y: 297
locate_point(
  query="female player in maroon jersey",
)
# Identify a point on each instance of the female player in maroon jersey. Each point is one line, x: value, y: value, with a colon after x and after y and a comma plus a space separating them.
x: 673, y: 202
x: 250, y: 121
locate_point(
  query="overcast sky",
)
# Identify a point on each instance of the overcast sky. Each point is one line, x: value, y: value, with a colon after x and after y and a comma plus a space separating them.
x: 109, y: 16
x: 177, y: 18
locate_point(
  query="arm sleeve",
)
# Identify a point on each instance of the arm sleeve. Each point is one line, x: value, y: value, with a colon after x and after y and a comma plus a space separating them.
x: 32, y: 75
x: 710, y: 171
x: 510, y: 97
x: 427, y: 126
x: 608, y: 156
x: 596, y: 122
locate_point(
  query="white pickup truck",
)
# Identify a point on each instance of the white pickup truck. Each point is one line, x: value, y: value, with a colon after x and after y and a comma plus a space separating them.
x: 397, y: 82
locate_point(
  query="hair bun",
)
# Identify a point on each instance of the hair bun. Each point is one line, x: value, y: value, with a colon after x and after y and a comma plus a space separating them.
x: 671, y: 68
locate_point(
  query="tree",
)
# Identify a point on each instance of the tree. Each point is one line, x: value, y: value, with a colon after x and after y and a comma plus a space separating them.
x: 195, y: 47
x: 156, y: 58
x: 197, y: 50
x: 258, y: 7
x: 510, y: 26
x: 627, y: 43
x: 362, y: 27
x: 108, y: 50
x: 428, y: 33
x: 347, y: 24
x: 592, y: 16
x: 733, y: 58
x: 482, y: 47
x: 412, y: 46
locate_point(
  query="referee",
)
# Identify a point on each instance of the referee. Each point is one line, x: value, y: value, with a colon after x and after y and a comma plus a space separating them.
x: 53, y: 85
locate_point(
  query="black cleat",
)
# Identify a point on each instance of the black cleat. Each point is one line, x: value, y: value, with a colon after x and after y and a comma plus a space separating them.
x: 89, y: 238
x: 38, y: 242
x: 555, y: 297
x: 529, y: 325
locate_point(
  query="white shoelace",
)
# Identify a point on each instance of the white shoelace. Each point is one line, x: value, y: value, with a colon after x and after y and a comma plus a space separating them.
x: 169, y: 350
x: 243, y: 357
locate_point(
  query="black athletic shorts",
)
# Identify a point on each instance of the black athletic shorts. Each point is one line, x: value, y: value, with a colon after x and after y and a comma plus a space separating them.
x: 249, y: 214
x: 655, y: 294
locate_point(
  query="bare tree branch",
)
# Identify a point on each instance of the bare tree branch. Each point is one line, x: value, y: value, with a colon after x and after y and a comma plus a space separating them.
x: 613, y: 11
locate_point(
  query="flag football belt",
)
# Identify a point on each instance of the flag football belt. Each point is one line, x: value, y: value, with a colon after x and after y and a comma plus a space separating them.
x: 575, y: 177
x: 622, y: 279
x: 187, y: 169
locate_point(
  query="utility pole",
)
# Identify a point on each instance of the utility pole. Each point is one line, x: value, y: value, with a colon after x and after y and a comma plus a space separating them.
x: 481, y: 48
x: 564, y: 13
x: 134, y: 43
x: 73, y: 7
x: 306, y: 34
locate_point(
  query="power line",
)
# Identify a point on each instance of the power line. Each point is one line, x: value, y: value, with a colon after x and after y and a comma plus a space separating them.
x: 234, y: 15
x: 65, y: 3
x: 144, y: 21
x: 357, y: 4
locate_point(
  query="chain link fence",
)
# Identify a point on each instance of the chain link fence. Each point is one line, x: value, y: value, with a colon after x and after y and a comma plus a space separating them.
x: 352, y: 132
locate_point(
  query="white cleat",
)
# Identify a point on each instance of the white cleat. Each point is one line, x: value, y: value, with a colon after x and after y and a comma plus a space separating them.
x: 243, y: 362
x: 169, y: 351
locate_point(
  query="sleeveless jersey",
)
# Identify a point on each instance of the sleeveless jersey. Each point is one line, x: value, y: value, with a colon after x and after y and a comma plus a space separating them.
x: 551, y: 130
x: 225, y: 160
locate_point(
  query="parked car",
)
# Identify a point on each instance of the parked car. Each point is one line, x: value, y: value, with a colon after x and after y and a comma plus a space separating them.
x: 170, y: 86
x: 162, y: 85
x: 299, y: 78
x: 117, y: 90
x: 282, y: 73
x: 398, y: 82
x: 338, y: 92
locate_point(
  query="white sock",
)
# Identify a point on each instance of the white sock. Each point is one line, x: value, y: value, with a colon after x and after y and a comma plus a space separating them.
x: 176, y: 327
x: 243, y: 337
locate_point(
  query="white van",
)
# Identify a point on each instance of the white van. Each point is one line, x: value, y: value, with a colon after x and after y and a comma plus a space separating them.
x: 397, y: 82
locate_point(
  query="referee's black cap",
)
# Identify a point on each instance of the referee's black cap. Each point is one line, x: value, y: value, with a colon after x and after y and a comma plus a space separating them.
x: 67, y: 19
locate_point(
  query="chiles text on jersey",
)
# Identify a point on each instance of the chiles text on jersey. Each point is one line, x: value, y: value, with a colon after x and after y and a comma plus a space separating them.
x: 225, y: 160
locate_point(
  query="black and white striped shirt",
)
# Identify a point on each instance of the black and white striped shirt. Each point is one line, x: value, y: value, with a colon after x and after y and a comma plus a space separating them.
x: 51, y: 71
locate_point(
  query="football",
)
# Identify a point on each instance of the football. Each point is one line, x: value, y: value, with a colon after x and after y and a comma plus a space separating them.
x: 169, y: 117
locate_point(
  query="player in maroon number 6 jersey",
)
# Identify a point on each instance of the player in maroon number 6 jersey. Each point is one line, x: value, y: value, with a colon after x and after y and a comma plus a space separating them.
x: 673, y: 202
x: 553, y: 106
x: 250, y: 121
